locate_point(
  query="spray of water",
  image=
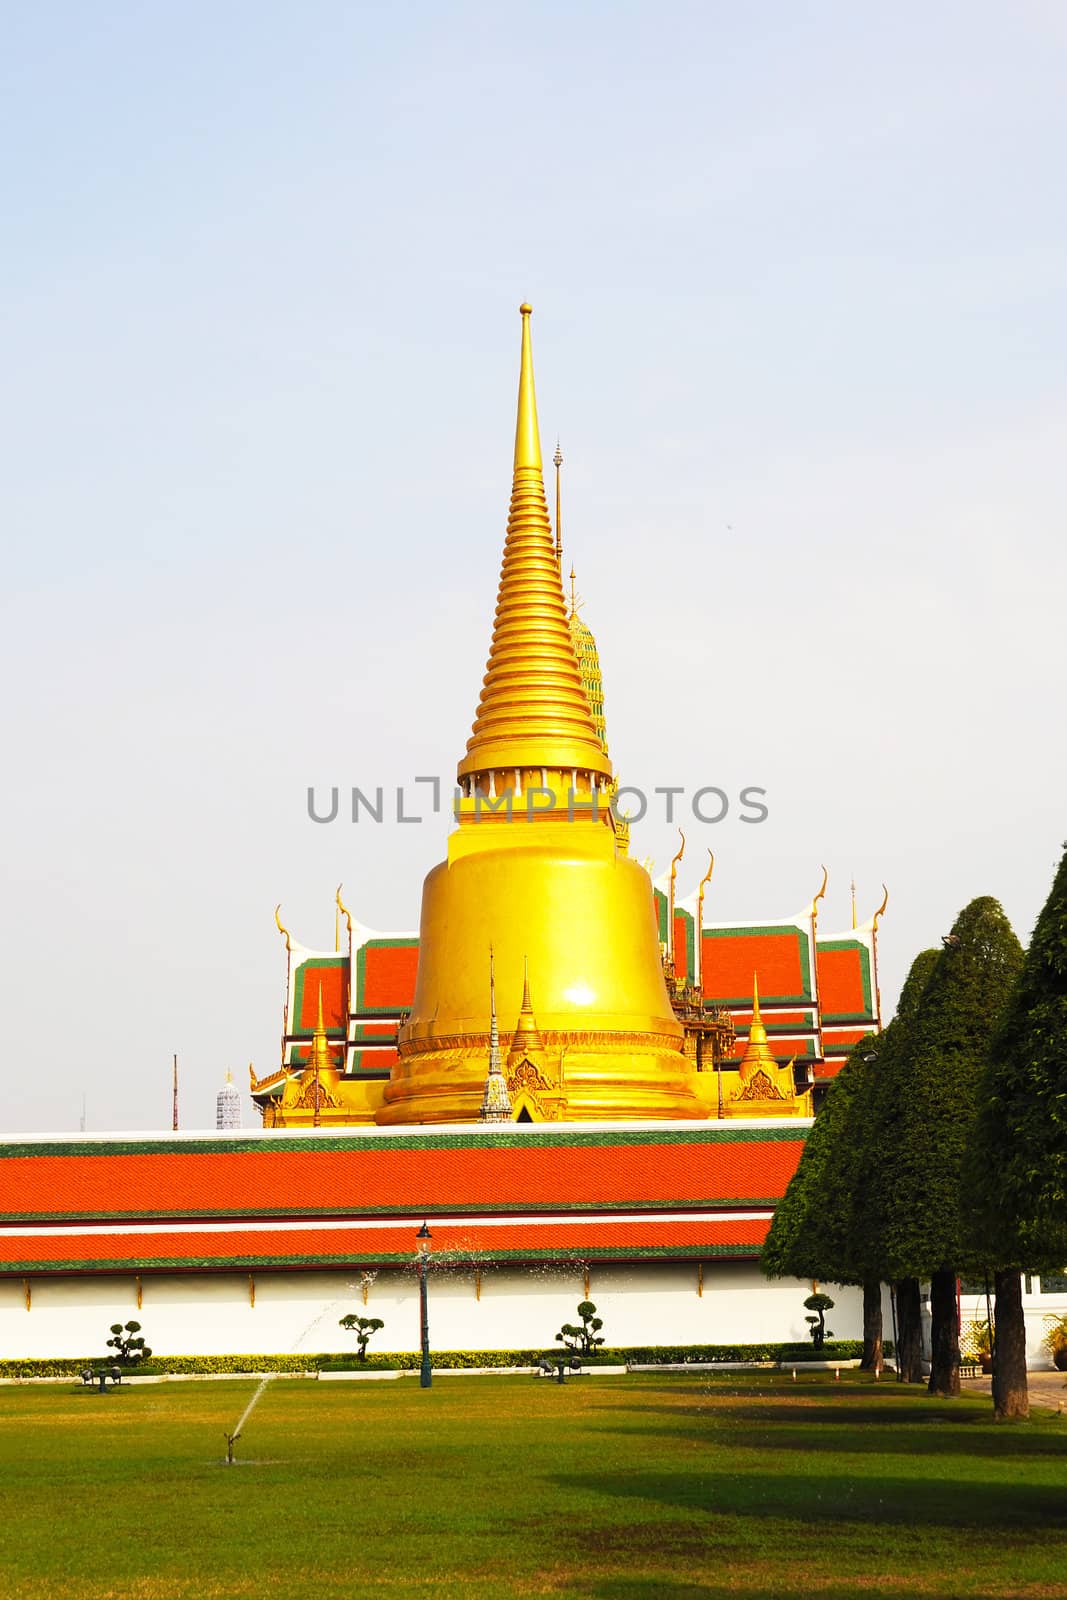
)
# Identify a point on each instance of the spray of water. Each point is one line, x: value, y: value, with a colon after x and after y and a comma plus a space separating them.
x: 232, y: 1438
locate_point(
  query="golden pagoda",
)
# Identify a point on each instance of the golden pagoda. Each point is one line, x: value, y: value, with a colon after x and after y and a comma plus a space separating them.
x: 538, y: 869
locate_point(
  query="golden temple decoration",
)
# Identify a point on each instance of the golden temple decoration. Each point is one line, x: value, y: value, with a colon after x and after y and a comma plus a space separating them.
x: 281, y: 928
x: 526, y: 1040
x: 760, y: 1087
x: 705, y: 880
x: 757, y: 1054
x: 853, y: 887
x: 819, y: 895
x: 558, y: 462
x: 496, y: 1106
x: 533, y: 713
x: 343, y: 909
x: 670, y: 909
x: 881, y: 909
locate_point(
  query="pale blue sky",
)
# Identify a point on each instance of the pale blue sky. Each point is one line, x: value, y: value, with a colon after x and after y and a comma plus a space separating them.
x: 799, y: 319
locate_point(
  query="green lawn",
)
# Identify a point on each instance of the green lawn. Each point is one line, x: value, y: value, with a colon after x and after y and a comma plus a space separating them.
x: 606, y: 1489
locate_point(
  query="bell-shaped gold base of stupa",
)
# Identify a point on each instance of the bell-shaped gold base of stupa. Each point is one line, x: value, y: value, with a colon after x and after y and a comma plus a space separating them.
x: 558, y: 899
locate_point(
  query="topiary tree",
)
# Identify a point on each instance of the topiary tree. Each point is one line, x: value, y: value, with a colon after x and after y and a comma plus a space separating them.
x: 825, y: 1225
x: 927, y: 1102
x: 587, y: 1337
x: 820, y: 1304
x: 813, y: 1230
x: 1018, y: 1160
x: 363, y: 1328
x: 129, y: 1348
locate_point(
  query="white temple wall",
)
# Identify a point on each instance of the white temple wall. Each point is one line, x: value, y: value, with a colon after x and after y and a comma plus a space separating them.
x: 202, y: 1313
x: 653, y: 1303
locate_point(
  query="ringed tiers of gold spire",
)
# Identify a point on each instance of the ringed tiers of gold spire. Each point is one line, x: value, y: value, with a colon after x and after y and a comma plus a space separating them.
x: 606, y: 1044
x: 533, y: 716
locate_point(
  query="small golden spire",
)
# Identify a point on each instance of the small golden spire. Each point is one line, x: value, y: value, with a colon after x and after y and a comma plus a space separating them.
x: 853, y: 902
x: 558, y: 462
x: 758, y: 1055
x: 533, y: 711
x: 757, y: 1020
x: 526, y: 1040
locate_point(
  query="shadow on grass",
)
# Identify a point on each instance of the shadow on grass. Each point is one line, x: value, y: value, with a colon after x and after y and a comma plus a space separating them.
x: 1007, y: 1507
x: 658, y: 1589
x: 939, y: 1429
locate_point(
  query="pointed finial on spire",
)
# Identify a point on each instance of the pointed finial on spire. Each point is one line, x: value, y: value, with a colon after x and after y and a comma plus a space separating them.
x: 853, y: 886
x: 527, y: 434
x: 526, y: 1005
x: 757, y: 1020
x: 558, y: 462
x: 318, y: 1026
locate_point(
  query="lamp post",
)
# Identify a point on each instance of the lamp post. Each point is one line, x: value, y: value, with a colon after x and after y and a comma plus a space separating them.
x: 424, y: 1240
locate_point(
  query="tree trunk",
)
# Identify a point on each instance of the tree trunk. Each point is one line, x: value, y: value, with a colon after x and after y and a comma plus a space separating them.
x: 1010, y: 1395
x: 909, y: 1330
x: 872, y: 1326
x: 944, y: 1335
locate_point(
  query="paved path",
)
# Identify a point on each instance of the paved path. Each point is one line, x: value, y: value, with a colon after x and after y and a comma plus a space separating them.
x: 1046, y: 1389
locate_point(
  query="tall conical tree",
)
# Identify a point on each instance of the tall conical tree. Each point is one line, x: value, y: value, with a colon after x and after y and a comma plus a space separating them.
x: 812, y: 1233
x: 821, y: 1228
x: 1018, y: 1159
x: 926, y: 1108
x: 871, y: 1179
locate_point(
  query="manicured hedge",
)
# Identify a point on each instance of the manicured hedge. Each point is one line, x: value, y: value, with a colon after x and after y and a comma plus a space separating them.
x: 406, y: 1361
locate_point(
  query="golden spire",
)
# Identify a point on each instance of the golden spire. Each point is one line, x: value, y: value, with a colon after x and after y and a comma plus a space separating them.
x: 853, y: 902
x: 533, y: 712
x: 758, y: 1055
x: 557, y: 460
x: 526, y: 1040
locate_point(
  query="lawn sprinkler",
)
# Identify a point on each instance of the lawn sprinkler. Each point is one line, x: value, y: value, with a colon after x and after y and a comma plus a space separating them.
x: 557, y: 1364
x: 231, y: 1440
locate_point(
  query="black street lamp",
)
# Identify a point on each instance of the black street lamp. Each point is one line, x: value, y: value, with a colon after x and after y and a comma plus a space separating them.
x: 424, y: 1240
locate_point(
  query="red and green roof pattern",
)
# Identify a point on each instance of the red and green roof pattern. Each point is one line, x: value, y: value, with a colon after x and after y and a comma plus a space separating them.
x: 314, y: 1199
x: 817, y: 995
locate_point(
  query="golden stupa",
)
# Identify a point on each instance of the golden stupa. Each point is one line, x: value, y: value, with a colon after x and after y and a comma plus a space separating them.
x: 537, y: 869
